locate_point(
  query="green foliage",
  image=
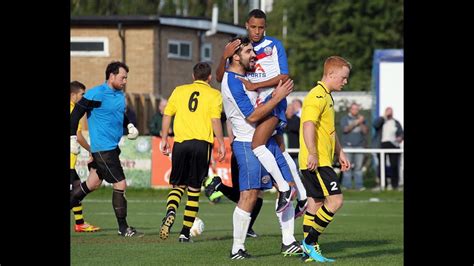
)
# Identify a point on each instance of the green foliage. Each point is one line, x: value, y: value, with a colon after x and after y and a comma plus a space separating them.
x: 318, y: 29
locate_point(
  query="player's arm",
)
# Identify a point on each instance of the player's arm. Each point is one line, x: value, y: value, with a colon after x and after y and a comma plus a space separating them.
x: 264, y: 84
x: 215, y: 112
x: 345, y: 164
x: 282, y: 64
x: 228, y: 52
x: 83, y: 141
x: 280, y: 93
x: 132, y: 130
x: 169, y: 112
x: 309, y: 137
x: 77, y: 113
x: 217, y: 127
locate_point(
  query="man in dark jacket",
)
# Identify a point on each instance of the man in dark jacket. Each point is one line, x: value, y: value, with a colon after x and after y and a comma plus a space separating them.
x: 389, y: 135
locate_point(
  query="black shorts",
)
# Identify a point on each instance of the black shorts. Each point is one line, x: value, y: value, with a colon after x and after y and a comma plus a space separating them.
x: 321, y: 183
x: 190, y: 162
x: 108, y: 165
x: 73, y: 176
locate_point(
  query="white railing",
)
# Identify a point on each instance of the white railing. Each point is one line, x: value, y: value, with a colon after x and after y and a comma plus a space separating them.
x: 381, y: 163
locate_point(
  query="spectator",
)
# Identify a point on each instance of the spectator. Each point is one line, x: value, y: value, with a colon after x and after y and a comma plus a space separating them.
x: 155, y: 124
x: 297, y: 104
x: 389, y: 135
x: 354, y: 131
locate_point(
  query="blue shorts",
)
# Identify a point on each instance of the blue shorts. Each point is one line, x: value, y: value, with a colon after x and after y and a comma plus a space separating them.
x: 279, y: 112
x: 273, y: 147
x: 251, y: 173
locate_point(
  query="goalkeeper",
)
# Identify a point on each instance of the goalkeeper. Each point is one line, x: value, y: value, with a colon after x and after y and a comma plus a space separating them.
x: 105, y: 107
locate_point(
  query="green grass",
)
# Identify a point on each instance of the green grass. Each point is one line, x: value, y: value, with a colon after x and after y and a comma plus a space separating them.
x: 362, y: 232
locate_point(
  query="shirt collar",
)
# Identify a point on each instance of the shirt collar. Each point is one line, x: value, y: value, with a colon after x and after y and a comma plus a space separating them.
x: 324, y: 87
x: 202, y: 82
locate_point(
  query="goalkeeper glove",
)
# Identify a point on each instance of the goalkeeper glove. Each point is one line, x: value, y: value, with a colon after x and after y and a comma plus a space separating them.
x: 75, y: 148
x: 132, y: 131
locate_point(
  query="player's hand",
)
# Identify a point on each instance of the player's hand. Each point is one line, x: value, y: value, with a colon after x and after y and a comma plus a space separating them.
x: 312, y: 163
x: 345, y: 164
x: 221, y: 153
x: 283, y: 89
x: 165, y: 147
x: 248, y: 85
x: 230, y: 48
x: 132, y: 131
x: 75, y: 148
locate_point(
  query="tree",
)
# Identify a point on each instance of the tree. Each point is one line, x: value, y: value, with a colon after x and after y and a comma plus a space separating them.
x: 318, y: 29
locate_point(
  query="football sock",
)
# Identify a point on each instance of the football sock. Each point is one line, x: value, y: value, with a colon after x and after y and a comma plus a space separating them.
x: 308, y: 220
x: 301, y: 191
x: 78, y: 193
x: 268, y: 161
x: 190, y: 211
x: 229, y: 192
x: 79, y: 219
x: 174, y: 198
x: 255, y: 211
x: 241, y: 221
x: 321, y: 220
x: 286, y: 219
x: 119, y: 202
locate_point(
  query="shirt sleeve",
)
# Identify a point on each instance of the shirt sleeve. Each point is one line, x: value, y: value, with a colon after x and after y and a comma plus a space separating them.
x: 237, y: 90
x: 216, y: 109
x: 282, y: 60
x: 170, y: 108
x: 312, y: 108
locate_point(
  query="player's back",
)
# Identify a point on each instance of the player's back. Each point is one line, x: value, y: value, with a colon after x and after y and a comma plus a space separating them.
x: 193, y: 106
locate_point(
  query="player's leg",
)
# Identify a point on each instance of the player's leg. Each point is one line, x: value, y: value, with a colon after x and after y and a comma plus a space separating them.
x: 250, y: 182
x: 110, y: 168
x: 198, y: 168
x: 216, y: 184
x: 79, y: 192
x: 301, y: 191
x: 178, y: 179
x: 319, y: 185
x: 80, y: 224
x: 263, y: 132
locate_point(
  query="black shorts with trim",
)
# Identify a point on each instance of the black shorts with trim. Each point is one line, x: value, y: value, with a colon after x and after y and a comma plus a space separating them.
x: 321, y: 183
x: 108, y: 165
x: 190, y: 162
x: 73, y: 176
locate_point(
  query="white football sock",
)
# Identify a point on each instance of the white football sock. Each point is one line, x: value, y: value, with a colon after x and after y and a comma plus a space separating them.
x: 287, y: 224
x: 294, y: 172
x: 241, y: 220
x: 268, y: 161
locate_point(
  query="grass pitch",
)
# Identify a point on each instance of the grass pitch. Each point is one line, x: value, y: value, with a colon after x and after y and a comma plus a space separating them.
x: 368, y: 230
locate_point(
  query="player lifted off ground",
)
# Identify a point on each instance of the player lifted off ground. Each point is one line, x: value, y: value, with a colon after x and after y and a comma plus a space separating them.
x: 318, y: 146
x: 271, y: 67
x: 241, y: 113
x: 77, y: 91
x: 197, y: 111
x: 105, y: 107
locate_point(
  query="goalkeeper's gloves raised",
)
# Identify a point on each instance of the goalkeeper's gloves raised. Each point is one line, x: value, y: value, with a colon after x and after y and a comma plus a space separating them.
x: 75, y: 148
x: 132, y: 131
